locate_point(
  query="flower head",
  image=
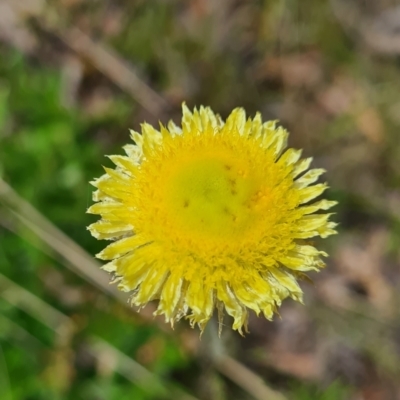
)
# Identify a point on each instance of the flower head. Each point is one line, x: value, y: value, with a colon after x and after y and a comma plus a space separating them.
x: 212, y: 214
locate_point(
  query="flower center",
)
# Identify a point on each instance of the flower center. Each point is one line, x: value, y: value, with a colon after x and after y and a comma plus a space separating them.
x: 214, y: 197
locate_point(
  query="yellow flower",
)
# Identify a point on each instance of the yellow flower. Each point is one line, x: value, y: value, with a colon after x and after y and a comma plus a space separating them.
x: 212, y: 214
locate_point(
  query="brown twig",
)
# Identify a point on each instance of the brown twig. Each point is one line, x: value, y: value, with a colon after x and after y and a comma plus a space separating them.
x: 115, y: 68
x: 246, y: 379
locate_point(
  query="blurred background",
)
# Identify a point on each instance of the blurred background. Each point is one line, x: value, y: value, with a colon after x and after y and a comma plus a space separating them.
x: 76, y: 74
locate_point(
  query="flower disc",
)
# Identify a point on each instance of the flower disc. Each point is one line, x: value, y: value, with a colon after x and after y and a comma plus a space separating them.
x: 211, y: 215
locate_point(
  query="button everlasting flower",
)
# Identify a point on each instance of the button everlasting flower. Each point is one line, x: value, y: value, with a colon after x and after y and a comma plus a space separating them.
x: 212, y: 214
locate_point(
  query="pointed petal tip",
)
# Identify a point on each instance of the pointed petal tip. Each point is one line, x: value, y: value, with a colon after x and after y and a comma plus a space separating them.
x: 185, y: 110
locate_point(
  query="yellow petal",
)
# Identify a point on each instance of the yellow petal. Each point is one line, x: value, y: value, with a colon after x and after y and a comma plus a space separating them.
x: 232, y: 306
x: 311, y: 192
x: 288, y: 282
x: 313, y: 222
x: 137, y: 138
x: 109, y: 230
x: 174, y: 129
x: 319, y: 205
x: 258, y: 129
x: 121, y: 247
x: 256, y: 294
x: 170, y: 296
x: 127, y: 164
x: 309, y: 177
x: 104, y: 207
x: 200, y: 299
x: 301, y: 166
x: 290, y: 157
x: 151, y: 285
x: 134, y: 152
x: 236, y: 120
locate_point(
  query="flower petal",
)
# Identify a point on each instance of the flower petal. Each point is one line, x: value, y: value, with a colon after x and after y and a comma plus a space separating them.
x: 309, y: 177
x: 121, y: 247
x: 200, y: 299
x: 170, y: 296
x: 232, y: 306
x: 151, y: 285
